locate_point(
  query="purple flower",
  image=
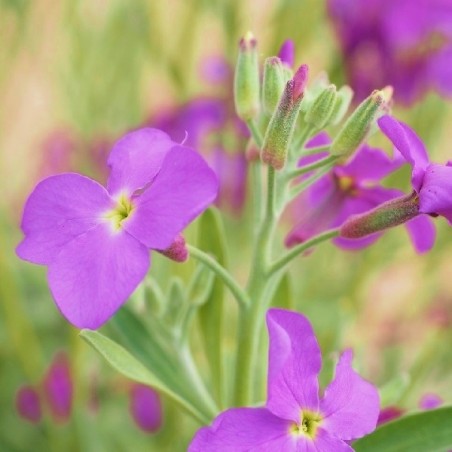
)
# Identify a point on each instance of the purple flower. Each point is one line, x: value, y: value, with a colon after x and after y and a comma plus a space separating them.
x: 95, y: 240
x: 350, y: 189
x: 58, y: 388
x: 28, y: 405
x: 287, y: 52
x: 389, y: 414
x: 430, y: 401
x: 294, y: 417
x: 403, y: 43
x: 146, y: 408
x: 432, y: 183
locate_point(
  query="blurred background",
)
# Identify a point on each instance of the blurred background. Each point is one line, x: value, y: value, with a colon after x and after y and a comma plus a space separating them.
x: 76, y: 75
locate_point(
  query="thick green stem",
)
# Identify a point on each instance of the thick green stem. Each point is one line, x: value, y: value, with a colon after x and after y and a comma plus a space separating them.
x: 251, y: 315
x: 238, y: 293
x: 297, y: 250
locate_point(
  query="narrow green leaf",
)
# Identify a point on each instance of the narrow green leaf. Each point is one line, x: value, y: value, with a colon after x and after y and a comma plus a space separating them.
x: 429, y: 431
x: 125, y: 363
x: 212, y: 239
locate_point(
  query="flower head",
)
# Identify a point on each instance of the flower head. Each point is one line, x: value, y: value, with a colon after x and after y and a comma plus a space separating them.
x: 350, y: 189
x: 95, y: 241
x: 431, y: 182
x: 401, y: 43
x: 294, y: 417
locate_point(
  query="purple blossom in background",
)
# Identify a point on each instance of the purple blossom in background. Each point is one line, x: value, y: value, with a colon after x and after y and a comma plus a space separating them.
x: 350, y: 189
x: 430, y: 401
x: 287, y: 53
x: 28, y: 405
x: 389, y: 413
x: 58, y: 388
x: 403, y: 43
x: 210, y: 125
x: 432, y: 183
x: 96, y: 241
x: 294, y: 417
x: 145, y: 408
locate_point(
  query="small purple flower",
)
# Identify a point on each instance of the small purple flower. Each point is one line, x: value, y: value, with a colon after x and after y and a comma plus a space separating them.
x: 432, y: 183
x: 403, y: 43
x: 294, y: 417
x: 350, y: 189
x: 95, y: 240
x: 389, y: 414
x: 58, y: 388
x: 287, y: 53
x: 145, y: 408
x: 28, y: 405
x: 430, y: 401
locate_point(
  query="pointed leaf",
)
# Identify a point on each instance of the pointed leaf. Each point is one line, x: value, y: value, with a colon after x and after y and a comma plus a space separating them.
x: 427, y: 431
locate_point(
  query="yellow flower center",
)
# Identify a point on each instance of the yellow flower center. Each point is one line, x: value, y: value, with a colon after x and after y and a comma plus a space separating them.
x: 121, y: 212
x: 307, y: 426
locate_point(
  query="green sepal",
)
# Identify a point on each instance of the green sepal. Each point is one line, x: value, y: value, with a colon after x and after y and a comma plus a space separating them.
x: 212, y: 239
x: 429, y: 431
x: 320, y: 112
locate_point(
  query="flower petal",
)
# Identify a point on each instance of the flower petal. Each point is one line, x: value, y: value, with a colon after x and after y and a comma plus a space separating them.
x: 95, y: 273
x: 294, y: 364
x: 28, y: 405
x: 350, y: 405
x: 409, y: 145
x: 422, y: 233
x: 241, y: 430
x: 59, y: 209
x: 325, y: 442
x: 184, y: 187
x: 136, y: 159
x: 369, y: 164
x: 436, y: 193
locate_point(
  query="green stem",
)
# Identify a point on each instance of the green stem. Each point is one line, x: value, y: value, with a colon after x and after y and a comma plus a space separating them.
x: 251, y: 315
x: 239, y: 294
x: 302, y: 186
x: 301, y: 140
x: 319, y: 164
x: 315, y: 150
x: 255, y: 132
x: 297, y: 250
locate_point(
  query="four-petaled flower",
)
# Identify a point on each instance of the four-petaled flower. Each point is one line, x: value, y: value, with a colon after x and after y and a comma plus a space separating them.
x: 351, y: 189
x: 294, y: 418
x: 95, y: 240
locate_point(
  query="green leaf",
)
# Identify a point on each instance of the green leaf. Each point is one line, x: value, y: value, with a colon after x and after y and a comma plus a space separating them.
x: 429, y: 431
x: 125, y: 363
x: 211, y: 239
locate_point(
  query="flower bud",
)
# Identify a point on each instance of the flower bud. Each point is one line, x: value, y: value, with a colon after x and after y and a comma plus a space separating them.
x: 343, y: 100
x: 246, y: 81
x: 319, y: 113
x: 28, y: 405
x: 318, y: 84
x: 357, y: 126
x: 287, y: 53
x: 387, y: 215
x: 282, y: 124
x: 177, y: 251
x: 145, y: 408
x: 273, y: 83
x: 58, y: 388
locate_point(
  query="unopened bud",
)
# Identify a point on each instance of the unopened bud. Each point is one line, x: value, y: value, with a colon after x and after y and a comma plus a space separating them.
x: 357, y: 126
x: 252, y: 151
x: 177, y: 251
x: 287, y: 53
x: 273, y: 83
x: 343, y: 100
x: 246, y: 81
x: 319, y: 113
x: 387, y: 215
x: 281, y: 127
x: 318, y: 84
